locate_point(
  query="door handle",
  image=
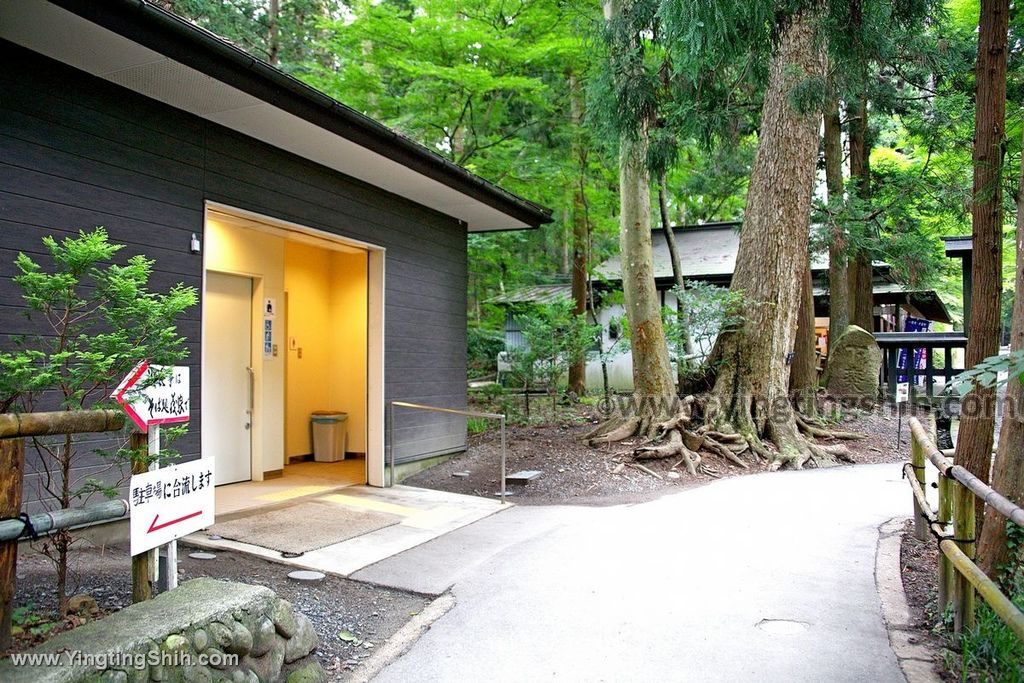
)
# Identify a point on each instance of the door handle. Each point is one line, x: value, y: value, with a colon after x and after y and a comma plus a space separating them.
x: 252, y: 389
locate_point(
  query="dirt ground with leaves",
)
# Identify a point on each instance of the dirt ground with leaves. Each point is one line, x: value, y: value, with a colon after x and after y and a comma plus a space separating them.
x: 574, y: 473
x: 919, y: 560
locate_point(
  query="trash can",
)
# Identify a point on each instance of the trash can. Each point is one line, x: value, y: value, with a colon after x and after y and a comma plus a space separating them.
x: 329, y: 435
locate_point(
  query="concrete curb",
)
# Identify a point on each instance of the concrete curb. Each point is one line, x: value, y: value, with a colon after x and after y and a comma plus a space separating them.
x: 398, y: 644
x: 916, y: 658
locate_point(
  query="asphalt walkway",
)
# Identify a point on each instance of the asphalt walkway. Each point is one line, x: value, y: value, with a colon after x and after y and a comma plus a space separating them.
x: 767, y: 577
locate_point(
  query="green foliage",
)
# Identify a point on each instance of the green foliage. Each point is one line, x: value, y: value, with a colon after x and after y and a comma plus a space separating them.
x: 478, y: 425
x: 247, y: 23
x: 555, y: 338
x: 709, y: 312
x: 992, y: 651
x: 483, y: 346
x: 986, y: 373
x: 98, y: 319
x: 26, y: 619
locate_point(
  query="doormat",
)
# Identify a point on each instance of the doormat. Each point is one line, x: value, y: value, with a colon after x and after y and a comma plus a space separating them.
x: 303, y: 527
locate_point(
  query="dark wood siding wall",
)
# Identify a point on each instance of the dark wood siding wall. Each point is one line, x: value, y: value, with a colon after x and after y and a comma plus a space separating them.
x: 77, y: 152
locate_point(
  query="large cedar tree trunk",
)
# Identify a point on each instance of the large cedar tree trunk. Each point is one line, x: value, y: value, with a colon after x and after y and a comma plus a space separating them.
x: 1008, y: 470
x: 974, y: 443
x: 578, y: 369
x: 859, y: 276
x: 838, y: 299
x: 750, y: 395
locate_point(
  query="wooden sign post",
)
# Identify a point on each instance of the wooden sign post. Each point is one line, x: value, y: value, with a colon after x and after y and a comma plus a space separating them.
x: 152, y: 396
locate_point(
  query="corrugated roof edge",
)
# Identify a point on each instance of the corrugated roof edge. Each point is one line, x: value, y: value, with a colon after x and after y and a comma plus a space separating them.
x: 204, y: 51
x: 717, y: 225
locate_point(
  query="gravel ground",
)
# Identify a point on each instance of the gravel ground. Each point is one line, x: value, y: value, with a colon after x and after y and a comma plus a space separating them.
x: 351, y: 618
x: 577, y: 474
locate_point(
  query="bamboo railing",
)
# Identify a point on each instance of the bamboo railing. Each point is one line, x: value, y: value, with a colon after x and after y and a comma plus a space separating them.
x: 959, y: 576
x: 14, y: 428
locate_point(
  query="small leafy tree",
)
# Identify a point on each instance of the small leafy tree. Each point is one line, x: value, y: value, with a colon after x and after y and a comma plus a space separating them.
x: 555, y: 338
x: 710, y: 311
x: 96, y: 320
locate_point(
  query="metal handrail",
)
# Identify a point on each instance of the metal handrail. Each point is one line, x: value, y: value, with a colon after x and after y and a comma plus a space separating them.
x: 450, y: 411
x: 12, y: 529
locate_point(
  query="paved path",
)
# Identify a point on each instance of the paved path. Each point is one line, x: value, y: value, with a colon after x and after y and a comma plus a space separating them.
x: 670, y: 590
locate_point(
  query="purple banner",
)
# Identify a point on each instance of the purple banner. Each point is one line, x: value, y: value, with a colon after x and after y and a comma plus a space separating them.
x: 913, y: 325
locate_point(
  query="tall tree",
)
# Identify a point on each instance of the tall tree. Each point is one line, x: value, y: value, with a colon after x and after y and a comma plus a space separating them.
x: 1008, y: 468
x: 838, y: 284
x: 652, y: 371
x: 580, y: 231
x: 750, y: 395
x: 859, y: 276
x: 974, y: 443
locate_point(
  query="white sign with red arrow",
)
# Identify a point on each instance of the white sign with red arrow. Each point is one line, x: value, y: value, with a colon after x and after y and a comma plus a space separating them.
x: 171, y: 502
x: 154, y: 395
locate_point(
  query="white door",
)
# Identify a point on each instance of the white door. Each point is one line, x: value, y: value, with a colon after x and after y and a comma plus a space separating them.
x: 227, y: 376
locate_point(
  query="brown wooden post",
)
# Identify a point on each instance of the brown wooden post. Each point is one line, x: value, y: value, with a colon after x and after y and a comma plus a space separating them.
x: 963, y: 534
x: 12, y: 470
x: 142, y: 587
x: 917, y: 460
x: 944, y: 517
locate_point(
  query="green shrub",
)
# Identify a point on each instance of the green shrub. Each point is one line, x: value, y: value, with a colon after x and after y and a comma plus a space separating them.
x: 482, y: 349
x: 991, y: 651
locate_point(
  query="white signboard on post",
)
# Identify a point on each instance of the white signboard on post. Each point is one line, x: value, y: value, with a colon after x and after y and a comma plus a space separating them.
x: 902, y: 392
x: 155, y: 395
x: 171, y: 502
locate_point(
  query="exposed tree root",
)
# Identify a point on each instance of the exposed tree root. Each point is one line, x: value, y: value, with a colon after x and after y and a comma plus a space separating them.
x: 647, y: 470
x: 725, y: 433
x: 722, y: 451
x: 821, y: 433
x: 625, y: 428
x: 709, y: 471
x: 674, y: 446
x: 603, y: 428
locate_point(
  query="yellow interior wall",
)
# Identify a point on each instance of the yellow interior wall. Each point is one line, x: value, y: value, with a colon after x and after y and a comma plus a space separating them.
x: 326, y: 318
x: 322, y: 303
x: 308, y: 283
x: 233, y: 249
x: 348, y: 330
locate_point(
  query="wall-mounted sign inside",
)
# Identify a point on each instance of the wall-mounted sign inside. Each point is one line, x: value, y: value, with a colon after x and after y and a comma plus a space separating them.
x: 270, y: 308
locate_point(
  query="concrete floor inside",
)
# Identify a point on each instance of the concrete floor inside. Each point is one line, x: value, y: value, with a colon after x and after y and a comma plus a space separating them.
x: 298, y: 481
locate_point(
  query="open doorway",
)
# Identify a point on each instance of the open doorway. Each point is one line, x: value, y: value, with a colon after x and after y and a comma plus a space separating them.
x: 292, y: 326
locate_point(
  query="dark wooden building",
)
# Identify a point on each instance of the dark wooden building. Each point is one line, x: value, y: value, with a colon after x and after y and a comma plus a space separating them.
x: 330, y: 251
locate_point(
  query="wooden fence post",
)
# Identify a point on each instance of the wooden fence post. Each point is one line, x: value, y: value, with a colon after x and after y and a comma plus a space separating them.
x: 142, y: 586
x: 12, y: 470
x: 944, y: 517
x: 963, y: 535
x: 917, y: 460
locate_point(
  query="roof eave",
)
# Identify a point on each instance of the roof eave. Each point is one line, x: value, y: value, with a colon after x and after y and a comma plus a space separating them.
x: 203, y: 51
